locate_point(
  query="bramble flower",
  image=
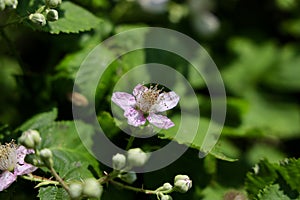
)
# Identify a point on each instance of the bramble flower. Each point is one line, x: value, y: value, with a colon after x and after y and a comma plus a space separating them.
x: 144, y: 105
x: 12, y: 163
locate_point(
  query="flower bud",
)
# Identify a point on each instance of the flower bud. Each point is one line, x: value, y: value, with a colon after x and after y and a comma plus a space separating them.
x: 38, y: 18
x: 51, y: 15
x: 129, y: 177
x: 136, y: 157
x: 30, y: 139
x: 92, y: 188
x: 166, y: 197
x: 2, y: 5
x: 46, y: 156
x: 11, y: 3
x: 52, y: 3
x: 75, y: 190
x: 118, y: 161
x: 182, y: 183
x: 167, y: 186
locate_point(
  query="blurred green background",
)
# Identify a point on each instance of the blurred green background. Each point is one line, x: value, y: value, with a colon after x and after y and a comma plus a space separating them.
x: 255, y: 44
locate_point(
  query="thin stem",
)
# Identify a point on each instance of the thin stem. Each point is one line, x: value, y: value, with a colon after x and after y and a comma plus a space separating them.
x: 39, y: 179
x: 57, y: 177
x: 130, y: 142
x: 128, y: 187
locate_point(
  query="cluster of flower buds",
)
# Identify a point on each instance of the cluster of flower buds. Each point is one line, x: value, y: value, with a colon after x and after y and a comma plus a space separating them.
x: 8, y: 4
x: 89, y: 188
x: 30, y: 139
x: 182, y: 184
x: 135, y: 158
x: 46, y: 13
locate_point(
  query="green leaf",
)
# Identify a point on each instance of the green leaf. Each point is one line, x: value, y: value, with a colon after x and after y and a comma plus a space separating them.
x: 272, y: 192
x: 107, y: 124
x: 52, y: 192
x: 71, y: 158
x: 285, y: 74
x: 249, y: 67
x: 39, y: 121
x: 286, y: 174
x: 202, y: 138
x: 264, y: 151
x: 72, y: 19
x: 290, y: 171
x: 264, y: 174
x: 267, y: 114
x: 270, y: 117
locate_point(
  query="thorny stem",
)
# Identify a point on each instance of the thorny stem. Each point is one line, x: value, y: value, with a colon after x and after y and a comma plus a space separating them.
x: 39, y: 179
x: 128, y: 187
x: 59, y: 179
x: 110, y: 178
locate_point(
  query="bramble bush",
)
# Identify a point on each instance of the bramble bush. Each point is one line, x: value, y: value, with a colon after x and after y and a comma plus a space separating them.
x: 47, y: 152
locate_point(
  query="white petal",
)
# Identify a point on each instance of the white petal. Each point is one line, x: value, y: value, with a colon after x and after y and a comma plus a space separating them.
x: 135, y: 117
x: 165, y: 101
x: 123, y: 100
x: 6, y: 179
x: 160, y: 121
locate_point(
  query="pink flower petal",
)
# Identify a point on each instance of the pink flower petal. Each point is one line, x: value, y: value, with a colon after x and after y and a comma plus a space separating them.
x: 160, y: 121
x: 123, y: 99
x: 138, y: 90
x: 135, y: 117
x: 165, y: 101
x: 21, y: 153
x: 24, y: 169
x: 6, y: 179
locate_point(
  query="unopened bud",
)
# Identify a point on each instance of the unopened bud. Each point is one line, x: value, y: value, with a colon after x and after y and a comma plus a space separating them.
x: 11, y: 3
x: 166, y: 197
x: 92, y: 188
x: 165, y: 187
x: 182, y: 183
x: 38, y: 18
x: 2, y: 5
x: 118, y: 161
x: 51, y: 15
x: 136, y: 157
x: 75, y: 190
x: 52, y: 3
x: 30, y: 139
x: 46, y: 156
x: 129, y: 177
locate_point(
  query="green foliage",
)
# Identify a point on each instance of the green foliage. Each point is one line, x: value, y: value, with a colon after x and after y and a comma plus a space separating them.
x: 52, y: 192
x: 258, y: 56
x: 39, y: 121
x: 71, y: 158
x: 259, y: 65
x: 70, y: 21
x: 274, y: 181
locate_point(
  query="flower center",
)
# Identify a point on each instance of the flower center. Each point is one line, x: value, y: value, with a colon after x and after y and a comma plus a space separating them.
x: 8, y: 156
x: 148, y: 98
